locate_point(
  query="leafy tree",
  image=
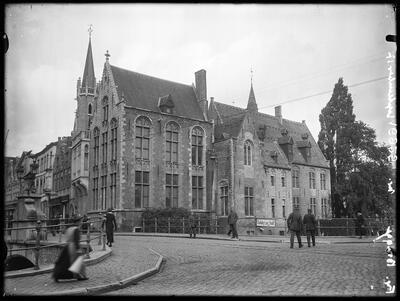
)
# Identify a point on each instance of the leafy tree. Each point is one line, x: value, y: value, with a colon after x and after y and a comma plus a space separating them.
x: 360, y: 168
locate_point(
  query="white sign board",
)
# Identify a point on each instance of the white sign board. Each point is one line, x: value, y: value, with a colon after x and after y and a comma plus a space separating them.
x: 264, y: 222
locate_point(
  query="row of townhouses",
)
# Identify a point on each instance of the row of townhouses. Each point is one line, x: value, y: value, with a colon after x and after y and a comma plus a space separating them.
x: 142, y: 142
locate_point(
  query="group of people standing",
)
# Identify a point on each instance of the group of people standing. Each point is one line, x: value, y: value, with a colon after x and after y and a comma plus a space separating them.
x: 296, y: 224
x: 69, y: 264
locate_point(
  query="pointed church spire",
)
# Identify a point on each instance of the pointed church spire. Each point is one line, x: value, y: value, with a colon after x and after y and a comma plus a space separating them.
x: 88, y: 79
x: 252, y: 104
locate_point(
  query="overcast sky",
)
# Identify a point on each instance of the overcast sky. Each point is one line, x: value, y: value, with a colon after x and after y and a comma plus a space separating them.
x: 295, y: 51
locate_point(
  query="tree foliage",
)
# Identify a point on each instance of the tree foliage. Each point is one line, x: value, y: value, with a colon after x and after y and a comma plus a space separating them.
x: 360, y: 169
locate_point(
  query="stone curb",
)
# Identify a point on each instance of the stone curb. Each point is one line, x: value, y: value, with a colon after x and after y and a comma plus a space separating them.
x: 49, y: 269
x: 115, y: 285
x: 277, y: 240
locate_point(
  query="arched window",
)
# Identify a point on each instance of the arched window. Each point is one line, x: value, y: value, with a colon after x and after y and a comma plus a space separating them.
x: 197, y: 146
x: 86, y: 158
x: 96, y: 146
x: 171, y: 150
x: 142, y: 140
x: 89, y: 108
x: 224, y: 200
x: 247, y: 153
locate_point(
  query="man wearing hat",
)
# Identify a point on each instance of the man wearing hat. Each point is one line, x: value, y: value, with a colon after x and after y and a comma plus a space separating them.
x: 294, y: 223
x: 111, y: 226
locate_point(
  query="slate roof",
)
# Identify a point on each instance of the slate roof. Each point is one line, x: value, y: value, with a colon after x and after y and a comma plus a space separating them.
x: 144, y: 91
x: 231, y: 125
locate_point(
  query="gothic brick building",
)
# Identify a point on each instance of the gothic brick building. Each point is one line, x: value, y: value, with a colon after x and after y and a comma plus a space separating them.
x: 150, y: 139
x: 266, y: 164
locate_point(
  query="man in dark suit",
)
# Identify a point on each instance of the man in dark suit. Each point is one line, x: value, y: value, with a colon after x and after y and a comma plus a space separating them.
x: 310, y: 225
x: 294, y: 223
x: 111, y: 226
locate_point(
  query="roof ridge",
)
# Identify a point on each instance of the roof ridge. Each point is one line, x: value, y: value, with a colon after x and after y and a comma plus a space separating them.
x: 153, y: 77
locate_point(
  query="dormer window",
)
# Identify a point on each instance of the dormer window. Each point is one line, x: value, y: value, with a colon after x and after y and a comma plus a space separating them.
x: 274, y: 156
x: 166, y: 104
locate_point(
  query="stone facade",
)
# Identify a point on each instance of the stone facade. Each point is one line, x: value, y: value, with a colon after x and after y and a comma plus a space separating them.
x: 132, y: 171
x: 265, y: 163
x: 59, y: 203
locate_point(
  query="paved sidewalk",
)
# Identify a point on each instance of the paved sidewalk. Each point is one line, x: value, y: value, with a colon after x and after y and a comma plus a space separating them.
x: 112, y: 269
x: 269, y: 238
x: 120, y: 266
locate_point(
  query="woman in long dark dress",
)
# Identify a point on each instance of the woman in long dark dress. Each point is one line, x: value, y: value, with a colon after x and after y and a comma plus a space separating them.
x: 67, y: 257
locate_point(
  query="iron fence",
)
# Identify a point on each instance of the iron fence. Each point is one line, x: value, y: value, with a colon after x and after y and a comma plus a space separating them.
x: 261, y: 226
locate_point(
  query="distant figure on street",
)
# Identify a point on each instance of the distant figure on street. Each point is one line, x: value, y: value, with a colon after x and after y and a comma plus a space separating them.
x: 232, y: 220
x: 111, y: 226
x: 192, y: 225
x: 294, y: 223
x: 69, y: 254
x: 85, y: 223
x: 310, y: 225
x: 359, y: 224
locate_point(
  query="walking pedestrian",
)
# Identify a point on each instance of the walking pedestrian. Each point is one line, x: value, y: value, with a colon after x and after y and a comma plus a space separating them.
x: 310, y: 225
x: 192, y: 225
x: 294, y: 223
x: 232, y: 220
x: 359, y: 224
x: 69, y: 264
x: 111, y: 226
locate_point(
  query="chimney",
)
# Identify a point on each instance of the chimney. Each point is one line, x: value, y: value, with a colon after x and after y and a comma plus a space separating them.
x: 278, y: 113
x: 201, y: 91
x: 201, y: 84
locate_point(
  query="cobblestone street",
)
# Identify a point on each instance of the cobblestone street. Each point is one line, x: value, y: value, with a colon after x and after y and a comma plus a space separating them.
x: 207, y: 267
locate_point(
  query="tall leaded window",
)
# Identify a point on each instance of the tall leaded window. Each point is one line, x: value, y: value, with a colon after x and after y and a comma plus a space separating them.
x: 171, y: 190
x: 86, y: 158
x: 283, y: 181
x: 248, y: 201
x: 197, y: 192
x: 296, y: 202
x: 104, y: 146
x: 313, y: 205
x: 224, y: 200
x: 105, y: 108
x: 103, y: 192
x: 283, y: 208
x: 295, y: 178
x: 142, y: 187
x: 114, y: 125
x: 96, y: 146
x: 272, y: 180
x: 172, y: 131
x: 312, y: 179
x: 142, y: 140
x: 273, y: 207
x: 324, y: 208
x: 197, y: 146
x: 113, y: 189
x: 95, y: 193
x: 323, y: 181
x: 247, y: 153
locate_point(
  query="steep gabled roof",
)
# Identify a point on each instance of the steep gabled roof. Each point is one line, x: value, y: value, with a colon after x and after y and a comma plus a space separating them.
x: 144, y: 91
x: 268, y: 149
x: 232, y: 118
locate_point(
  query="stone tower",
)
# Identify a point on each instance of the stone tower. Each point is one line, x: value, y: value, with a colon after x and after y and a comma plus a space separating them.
x: 86, y: 90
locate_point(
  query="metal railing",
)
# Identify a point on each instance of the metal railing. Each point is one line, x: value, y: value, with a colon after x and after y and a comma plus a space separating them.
x: 40, y: 230
x: 249, y: 225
